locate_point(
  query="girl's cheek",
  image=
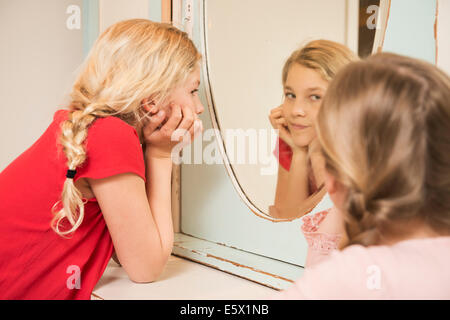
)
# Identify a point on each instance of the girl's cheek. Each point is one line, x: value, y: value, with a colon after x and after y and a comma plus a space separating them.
x: 315, y: 110
x: 285, y: 108
x: 191, y: 103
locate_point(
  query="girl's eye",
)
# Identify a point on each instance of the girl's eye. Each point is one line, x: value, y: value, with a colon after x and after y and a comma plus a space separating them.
x: 315, y: 97
x: 289, y: 95
x: 193, y: 92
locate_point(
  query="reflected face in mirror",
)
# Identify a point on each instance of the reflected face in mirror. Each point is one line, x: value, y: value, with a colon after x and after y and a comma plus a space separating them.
x: 303, y: 93
x: 249, y: 97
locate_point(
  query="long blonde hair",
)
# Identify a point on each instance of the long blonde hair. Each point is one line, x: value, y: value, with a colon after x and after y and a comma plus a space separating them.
x: 324, y: 56
x: 384, y: 127
x: 131, y: 60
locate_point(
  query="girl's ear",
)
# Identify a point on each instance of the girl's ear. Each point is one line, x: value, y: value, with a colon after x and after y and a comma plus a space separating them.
x: 330, y: 183
x: 335, y: 189
x: 147, y: 104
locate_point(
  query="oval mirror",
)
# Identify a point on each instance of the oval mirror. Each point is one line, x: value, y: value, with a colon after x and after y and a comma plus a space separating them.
x: 245, y: 46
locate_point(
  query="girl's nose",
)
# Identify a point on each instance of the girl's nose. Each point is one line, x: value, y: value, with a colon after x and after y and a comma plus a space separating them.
x: 199, y: 108
x: 298, y: 110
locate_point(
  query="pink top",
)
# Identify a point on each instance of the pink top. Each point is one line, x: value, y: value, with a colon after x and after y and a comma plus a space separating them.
x: 320, y: 244
x: 410, y: 269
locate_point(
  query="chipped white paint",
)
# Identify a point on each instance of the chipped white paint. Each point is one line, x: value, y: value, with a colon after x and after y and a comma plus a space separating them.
x: 272, y: 273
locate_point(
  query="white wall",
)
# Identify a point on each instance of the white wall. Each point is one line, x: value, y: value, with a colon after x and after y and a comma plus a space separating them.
x: 112, y: 11
x: 38, y: 59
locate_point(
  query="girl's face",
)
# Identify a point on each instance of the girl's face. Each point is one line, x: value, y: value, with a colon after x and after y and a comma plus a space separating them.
x: 303, y: 93
x: 187, y: 95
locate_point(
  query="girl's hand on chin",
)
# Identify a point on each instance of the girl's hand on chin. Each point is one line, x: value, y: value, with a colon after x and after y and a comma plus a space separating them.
x: 160, y: 137
x: 276, y: 117
x: 278, y: 121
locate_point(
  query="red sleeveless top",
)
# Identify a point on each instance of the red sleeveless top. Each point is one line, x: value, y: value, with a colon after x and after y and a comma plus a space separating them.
x: 35, y: 262
x: 283, y: 153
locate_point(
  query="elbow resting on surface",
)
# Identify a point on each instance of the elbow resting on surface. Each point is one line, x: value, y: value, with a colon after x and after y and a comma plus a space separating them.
x: 146, y: 276
x: 147, y: 272
x: 144, y: 279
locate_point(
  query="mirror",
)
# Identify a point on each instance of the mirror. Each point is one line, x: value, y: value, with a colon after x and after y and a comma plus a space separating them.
x: 246, y: 44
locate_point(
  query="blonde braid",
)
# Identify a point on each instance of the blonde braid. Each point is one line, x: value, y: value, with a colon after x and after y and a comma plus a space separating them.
x: 383, y: 128
x: 73, y: 135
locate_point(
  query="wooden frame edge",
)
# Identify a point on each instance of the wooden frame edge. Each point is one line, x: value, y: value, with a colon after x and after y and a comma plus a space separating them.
x: 167, y: 17
x: 246, y: 265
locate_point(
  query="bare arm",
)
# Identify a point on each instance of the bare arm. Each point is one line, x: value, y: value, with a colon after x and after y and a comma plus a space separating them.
x: 158, y: 171
x: 139, y: 239
x: 292, y: 187
x: 138, y: 214
x: 317, y: 162
x: 158, y: 175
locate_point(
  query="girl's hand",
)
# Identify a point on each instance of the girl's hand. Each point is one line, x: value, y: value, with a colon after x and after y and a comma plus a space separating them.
x: 314, y: 149
x: 279, y: 122
x: 317, y: 161
x: 160, y: 138
x: 276, y: 117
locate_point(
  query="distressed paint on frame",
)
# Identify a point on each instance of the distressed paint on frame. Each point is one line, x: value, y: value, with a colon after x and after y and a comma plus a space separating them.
x: 266, y: 271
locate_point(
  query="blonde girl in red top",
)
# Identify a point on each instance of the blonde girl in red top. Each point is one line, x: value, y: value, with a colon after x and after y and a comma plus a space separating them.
x: 99, y: 179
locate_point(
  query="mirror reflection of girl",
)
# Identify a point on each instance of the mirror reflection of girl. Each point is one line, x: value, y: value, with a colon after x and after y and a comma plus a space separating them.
x: 384, y: 131
x: 86, y: 187
x: 305, y: 79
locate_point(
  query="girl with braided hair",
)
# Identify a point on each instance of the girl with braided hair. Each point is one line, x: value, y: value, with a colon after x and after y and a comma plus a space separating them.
x: 98, y: 180
x: 384, y: 133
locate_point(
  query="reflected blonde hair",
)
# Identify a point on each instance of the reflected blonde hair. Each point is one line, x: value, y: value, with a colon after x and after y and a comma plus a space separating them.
x: 324, y: 56
x: 384, y: 130
x: 131, y: 60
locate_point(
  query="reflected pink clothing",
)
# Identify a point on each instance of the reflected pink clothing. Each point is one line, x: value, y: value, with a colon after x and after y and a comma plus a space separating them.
x: 410, y: 269
x: 320, y: 245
